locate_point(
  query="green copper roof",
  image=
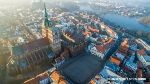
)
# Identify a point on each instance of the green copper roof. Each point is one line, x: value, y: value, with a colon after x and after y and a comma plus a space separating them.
x: 45, y: 12
x: 47, y: 23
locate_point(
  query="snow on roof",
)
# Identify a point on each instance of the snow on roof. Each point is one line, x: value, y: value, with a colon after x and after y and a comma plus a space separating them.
x: 147, y: 58
x: 131, y: 65
x: 107, y: 73
x: 119, y: 55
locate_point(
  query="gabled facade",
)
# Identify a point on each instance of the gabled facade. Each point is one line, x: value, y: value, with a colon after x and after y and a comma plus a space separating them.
x: 98, y: 51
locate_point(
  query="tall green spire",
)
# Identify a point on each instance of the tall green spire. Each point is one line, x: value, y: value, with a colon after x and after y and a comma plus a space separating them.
x: 47, y: 23
x: 45, y: 12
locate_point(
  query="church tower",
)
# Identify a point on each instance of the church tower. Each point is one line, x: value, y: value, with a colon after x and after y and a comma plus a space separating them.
x: 52, y: 33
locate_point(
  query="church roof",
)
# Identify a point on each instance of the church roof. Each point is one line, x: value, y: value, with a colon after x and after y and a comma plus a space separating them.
x: 21, y: 49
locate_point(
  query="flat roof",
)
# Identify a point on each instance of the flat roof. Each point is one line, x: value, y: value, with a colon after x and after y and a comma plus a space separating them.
x: 82, y: 69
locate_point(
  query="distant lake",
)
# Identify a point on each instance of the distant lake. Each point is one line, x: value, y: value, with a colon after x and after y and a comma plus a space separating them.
x: 123, y: 21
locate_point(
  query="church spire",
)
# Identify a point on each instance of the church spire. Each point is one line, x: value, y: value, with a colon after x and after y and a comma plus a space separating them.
x: 47, y: 23
x: 45, y: 12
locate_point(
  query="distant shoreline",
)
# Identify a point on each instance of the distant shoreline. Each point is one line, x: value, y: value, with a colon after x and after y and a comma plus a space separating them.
x: 145, y: 21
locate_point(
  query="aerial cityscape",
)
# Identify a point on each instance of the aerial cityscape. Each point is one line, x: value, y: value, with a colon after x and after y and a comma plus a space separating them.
x: 75, y: 42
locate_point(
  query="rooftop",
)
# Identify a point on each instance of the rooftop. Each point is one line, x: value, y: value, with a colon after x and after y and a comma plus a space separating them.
x: 147, y: 58
x: 117, y: 62
x: 109, y: 74
x: 21, y: 49
x: 112, y: 66
x: 142, y: 52
x: 50, y: 52
x: 17, y: 50
x: 100, y: 49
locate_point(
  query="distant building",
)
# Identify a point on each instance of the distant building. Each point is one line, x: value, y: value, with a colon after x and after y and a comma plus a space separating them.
x: 37, y: 4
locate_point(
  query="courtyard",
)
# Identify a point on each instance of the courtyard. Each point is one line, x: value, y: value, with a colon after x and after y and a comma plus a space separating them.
x: 81, y: 69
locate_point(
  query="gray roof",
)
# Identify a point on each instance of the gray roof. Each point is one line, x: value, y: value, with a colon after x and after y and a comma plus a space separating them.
x: 112, y: 66
x: 50, y: 53
x: 17, y: 50
x: 23, y: 63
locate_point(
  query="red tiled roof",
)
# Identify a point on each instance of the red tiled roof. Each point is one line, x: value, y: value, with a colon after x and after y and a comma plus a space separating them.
x: 86, y: 33
x: 57, y: 77
x: 92, y: 29
x: 31, y: 81
x: 100, y: 49
x: 92, y: 82
x: 111, y: 40
x: 110, y: 30
x: 42, y: 76
x: 142, y: 52
x: 139, y: 73
x: 114, y: 60
x: 63, y: 82
x: 147, y: 83
x: 124, y: 67
x: 125, y: 45
x: 139, y: 64
x: 106, y: 45
x: 65, y: 54
x: 97, y: 77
